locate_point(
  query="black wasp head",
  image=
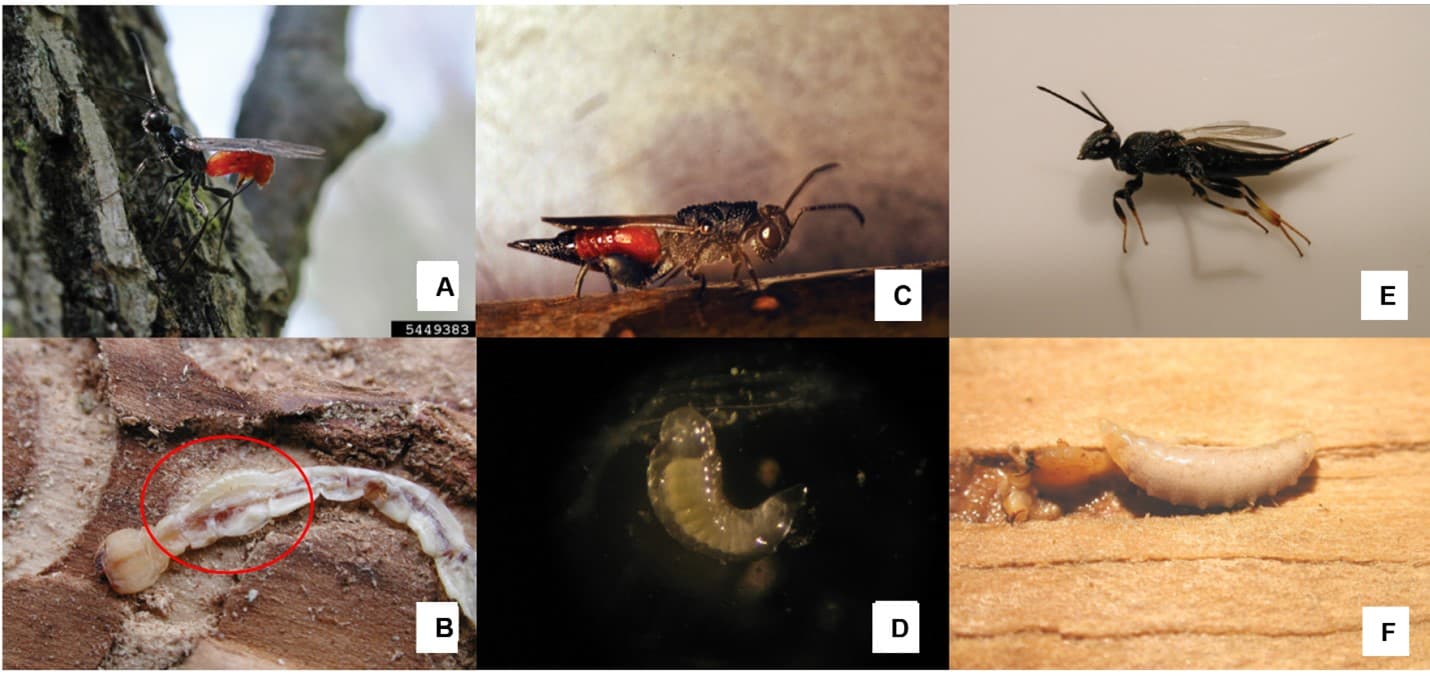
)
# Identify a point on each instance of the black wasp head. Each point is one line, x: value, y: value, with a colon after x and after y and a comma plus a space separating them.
x: 156, y: 120
x: 1101, y: 144
x: 770, y: 234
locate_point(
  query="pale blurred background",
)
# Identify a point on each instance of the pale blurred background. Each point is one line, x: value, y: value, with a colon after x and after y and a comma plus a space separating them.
x: 640, y: 110
x: 404, y: 196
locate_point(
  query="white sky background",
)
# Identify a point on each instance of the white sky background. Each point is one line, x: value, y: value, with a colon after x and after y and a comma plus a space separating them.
x: 407, y: 62
x: 213, y: 51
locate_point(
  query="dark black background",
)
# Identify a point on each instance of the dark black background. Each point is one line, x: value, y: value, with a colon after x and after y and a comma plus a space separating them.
x: 575, y: 571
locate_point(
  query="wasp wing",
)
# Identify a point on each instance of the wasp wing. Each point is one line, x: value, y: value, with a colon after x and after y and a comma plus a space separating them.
x: 665, y: 222
x: 282, y: 149
x: 1232, y: 129
x: 1240, y: 145
x: 1235, y: 135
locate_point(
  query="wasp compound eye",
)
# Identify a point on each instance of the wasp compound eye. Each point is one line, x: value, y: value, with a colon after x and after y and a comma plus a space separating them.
x: 772, y: 241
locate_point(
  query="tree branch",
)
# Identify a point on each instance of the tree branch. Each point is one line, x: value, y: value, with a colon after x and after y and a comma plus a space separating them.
x: 824, y: 304
x: 300, y: 92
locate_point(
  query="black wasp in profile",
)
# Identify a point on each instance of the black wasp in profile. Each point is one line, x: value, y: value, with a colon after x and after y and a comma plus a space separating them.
x: 1211, y: 157
x: 634, y: 251
x: 251, y: 160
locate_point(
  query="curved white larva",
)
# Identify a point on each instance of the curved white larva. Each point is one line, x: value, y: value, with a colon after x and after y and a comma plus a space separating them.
x: 244, y: 501
x: 1203, y: 476
x: 684, y: 480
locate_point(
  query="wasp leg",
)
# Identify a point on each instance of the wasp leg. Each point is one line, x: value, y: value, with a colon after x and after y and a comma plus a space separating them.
x: 1272, y: 216
x: 1126, y: 194
x: 1200, y: 191
x: 742, y: 262
x: 611, y: 266
x: 194, y: 183
x: 182, y: 180
x: 663, y: 279
x: 1235, y: 188
x: 138, y: 172
x: 700, y: 293
x: 226, y: 208
x: 580, y: 278
x: 199, y: 205
x: 223, y: 213
x: 699, y: 298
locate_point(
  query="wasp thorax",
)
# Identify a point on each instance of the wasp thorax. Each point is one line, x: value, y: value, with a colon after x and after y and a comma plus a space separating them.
x: 1099, y: 145
x: 772, y: 232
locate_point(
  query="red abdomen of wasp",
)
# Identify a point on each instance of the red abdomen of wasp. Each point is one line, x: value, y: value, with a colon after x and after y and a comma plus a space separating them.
x: 637, y: 242
x: 246, y: 164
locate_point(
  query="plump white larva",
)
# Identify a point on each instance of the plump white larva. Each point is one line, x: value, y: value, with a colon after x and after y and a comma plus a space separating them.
x: 244, y: 501
x: 684, y: 480
x: 1203, y: 476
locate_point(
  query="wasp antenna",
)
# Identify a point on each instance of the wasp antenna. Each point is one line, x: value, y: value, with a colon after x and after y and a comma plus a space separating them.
x: 807, y: 177
x: 125, y: 93
x: 144, y: 58
x: 830, y: 206
x: 1098, y: 116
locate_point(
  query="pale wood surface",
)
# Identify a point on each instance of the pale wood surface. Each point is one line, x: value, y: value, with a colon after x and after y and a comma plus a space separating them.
x: 1276, y: 587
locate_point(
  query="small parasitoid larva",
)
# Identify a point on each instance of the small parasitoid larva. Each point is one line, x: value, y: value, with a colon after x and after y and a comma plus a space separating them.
x: 684, y: 480
x: 1202, y: 476
x: 244, y: 501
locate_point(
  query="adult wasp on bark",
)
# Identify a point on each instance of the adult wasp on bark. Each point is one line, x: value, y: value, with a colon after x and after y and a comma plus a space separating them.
x: 1210, y: 158
x: 251, y: 160
x: 639, y: 250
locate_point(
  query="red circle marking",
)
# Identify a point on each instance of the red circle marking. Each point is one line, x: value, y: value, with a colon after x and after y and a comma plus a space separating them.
x: 312, y: 504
